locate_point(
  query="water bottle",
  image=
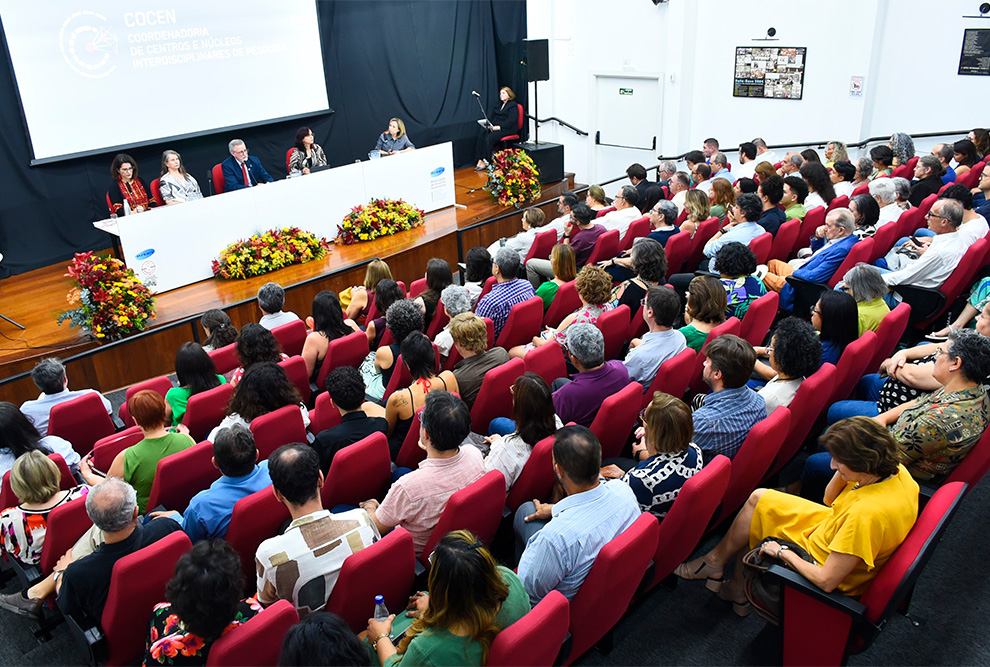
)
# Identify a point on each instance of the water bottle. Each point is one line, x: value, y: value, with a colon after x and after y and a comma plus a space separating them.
x: 381, y: 611
x: 127, y: 207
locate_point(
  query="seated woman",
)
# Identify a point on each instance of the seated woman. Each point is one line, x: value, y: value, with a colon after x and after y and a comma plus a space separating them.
x: 203, y: 603
x: 218, y: 328
x: 765, y: 170
x: 842, y: 173
x: 650, y: 197
x: 18, y: 436
x: 36, y: 480
x: 866, y: 212
x: 663, y: 459
x: 794, y: 354
x: 837, y: 319
x: 478, y: 270
x: 504, y: 119
x: 470, y: 599
x: 564, y: 267
x: 196, y: 373
x: 736, y: 264
x: 438, y: 277
x: 322, y: 638
x: 128, y: 186
x: 532, y: 220
x: 357, y: 299
x: 394, y: 139
x: 902, y: 192
x: 965, y: 156
x: 705, y: 310
x: 868, y: 508
x: 264, y: 388
x: 820, y: 190
x: 835, y: 151
x: 454, y: 300
x: 418, y: 356
x: 387, y: 292
x: 648, y: 263
x: 883, y: 160
x: 811, y: 155
x: 326, y: 324
x: 533, y: 419
x: 903, y: 146
x: 596, y: 199
x: 138, y: 464
x: 306, y: 153
x: 402, y: 318
x: 723, y: 197
x: 594, y: 287
x: 255, y: 344
x: 865, y: 283
x: 981, y: 141
x: 979, y: 297
x: 177, y: 186
x: 698, y: 209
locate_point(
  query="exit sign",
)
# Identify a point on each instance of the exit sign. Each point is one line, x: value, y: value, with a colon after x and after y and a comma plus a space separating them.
x: 625, y: 91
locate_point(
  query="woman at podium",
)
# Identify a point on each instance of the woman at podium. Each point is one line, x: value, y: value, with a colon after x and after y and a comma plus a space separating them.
x: 505, y: 121
x: 394, y: 139
x: 128, y: 187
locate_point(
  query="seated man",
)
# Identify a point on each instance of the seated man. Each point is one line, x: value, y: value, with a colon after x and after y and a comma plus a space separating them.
x: 763, y: 152
x: 709, y: 147
x: 417, y: 499
x: 936, y: 260
x: 945, y: 153
x: 625, y: 212
x: 661, y: 342
x: 720, y: 167
x: 791, y: 166
x: 732, y: 409
x: 470, y: 336
x: 302, y: 564
x: 701, y: 175
x: 49, y: 376
x: 741, y: 225
x: 981, y: 194
x: 241, y: 171
x: 578, y: 400
x: 562, y: 540
x: 771, y: 191
x: 82, y: 576
x: 271, y: 300
x: 747, y: 161
x: 346, y: 388
x: 507, y: 291
x: 795, y: 192
x: 680, y: 183
x: 637, y: 176
x: 974, y: 225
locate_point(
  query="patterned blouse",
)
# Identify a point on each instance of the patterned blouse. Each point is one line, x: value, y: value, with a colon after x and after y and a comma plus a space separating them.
x: 741, y: 292
x: 169, y: 643
x: 298, y: 160
x: 894, y: 392
x: 657, y: 480
x: 174, y: 188
x: 22, y: 532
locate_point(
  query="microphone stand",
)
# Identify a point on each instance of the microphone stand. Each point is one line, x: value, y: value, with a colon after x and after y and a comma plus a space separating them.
x: 19, y: 326
x: 488, y: 123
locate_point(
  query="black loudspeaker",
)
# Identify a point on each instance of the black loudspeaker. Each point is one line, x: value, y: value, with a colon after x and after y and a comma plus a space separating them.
x: 549, y: 159
x: 536, y: 53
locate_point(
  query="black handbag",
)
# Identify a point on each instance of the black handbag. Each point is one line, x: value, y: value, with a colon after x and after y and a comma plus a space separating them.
x: 763, y: 593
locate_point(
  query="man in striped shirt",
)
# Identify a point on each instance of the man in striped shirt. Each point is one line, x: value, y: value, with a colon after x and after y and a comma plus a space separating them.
x: 507, y: 291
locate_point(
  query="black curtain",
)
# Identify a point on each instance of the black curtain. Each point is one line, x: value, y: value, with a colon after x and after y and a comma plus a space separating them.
x: 417, y: 60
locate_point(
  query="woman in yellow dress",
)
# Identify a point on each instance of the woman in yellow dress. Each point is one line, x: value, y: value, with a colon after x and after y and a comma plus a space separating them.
x: 869, y: 507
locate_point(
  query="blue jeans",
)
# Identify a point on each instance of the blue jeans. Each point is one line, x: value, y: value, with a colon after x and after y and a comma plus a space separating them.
x: 525, y: 530
x: 868, y: 390
x: 501, y: 426
x: 816, y: 476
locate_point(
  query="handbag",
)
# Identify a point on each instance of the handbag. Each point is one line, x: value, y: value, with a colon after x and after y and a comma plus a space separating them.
x: 764, y: 594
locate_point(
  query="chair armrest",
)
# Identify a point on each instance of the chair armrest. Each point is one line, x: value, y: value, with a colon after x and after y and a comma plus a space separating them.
x: 924, y: 301
x: 835, y: 600
x: 806, y: 293
x: 90, y: 637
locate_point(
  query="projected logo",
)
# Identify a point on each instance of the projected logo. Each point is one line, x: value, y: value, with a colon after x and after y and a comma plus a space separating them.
x: 88, y: 44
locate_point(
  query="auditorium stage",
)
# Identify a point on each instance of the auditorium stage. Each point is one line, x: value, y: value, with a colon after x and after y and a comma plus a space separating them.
x: 36, y: 298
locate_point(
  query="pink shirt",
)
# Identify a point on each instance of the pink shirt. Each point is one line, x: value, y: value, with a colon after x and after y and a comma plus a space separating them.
x: 416, y: 500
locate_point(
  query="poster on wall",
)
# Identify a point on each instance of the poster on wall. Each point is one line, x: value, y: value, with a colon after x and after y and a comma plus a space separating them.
x: 775, y: 72
x: 975, y: 57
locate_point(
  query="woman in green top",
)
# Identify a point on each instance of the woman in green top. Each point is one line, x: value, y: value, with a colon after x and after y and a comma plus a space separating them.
x: 866, y: 285
x: 705, y: 310
x: 564, y: 270
x: 723, y: 197
x: 196, y: 372
x: 470, y: 600
x: 137, y: 464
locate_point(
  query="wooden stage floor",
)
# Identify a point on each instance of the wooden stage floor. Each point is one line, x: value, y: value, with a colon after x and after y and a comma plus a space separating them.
x: 36, y: 298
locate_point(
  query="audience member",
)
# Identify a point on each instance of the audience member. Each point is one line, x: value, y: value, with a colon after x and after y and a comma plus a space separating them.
x: 357, y: 299
x: 701, y: 175
x: 648, y: 264
x: 771, y: 191
x: 864, y: 169
x: 49, y: 376
x: 928, y: 179
x: 794, y: 353
x: 565, y: 204
x: 679, y: 184
x: 736, y: 266
x: 723, y: 197
x: 271, y: 300
x: 596, y: 199
x: 720, y: 168
x: 438, y: 278
x: 653, y: 195
x: 709, y: 147
x: 704, y: 310
x: 420, y: 360
x: 265, y: 388
x: 747, y: 161
x: 810, y: 156
x: 667, y: 169
x: 661, y: 342
x: 903, y: 147
x: 975, y: 306
x: 698, y: 208
x: 821, y: 192
x: 508, y: 289
x: 837, y: 319
x: 981, y: 200
x: 564, y: 271
x: 323, y: 639
x: 883, y: 160
x: 964, y: 152
x: 742, y: 226
x: 663, y: 215
x: 256, y: 344
x: 944, y: 153
x: 865, y: 284
x: 454, y: 300
x: 981, y: 141
x: 866, y: 211
x: 638, y: 177
x: 470, y: 335
x: 935, y: 260
x: 578, y: 400
x: 218, y: 328
x: 478, y: 263
x: 835, y: 151
x: 763, y: 152
x: 327, y: 324
x: 791, y: 165
x: 582, y: 235
x: 795, y: 194
x: 532, y: 220
x: 19, y: 436
x: 745, y: 186
x: 842, y: 174
x: 765, y: 170
x: 402, y: 318
x: 358, y: 418
x: 974, y: 225
x: 241, y: 171
x: 388, y: 292
x: 195, y: 373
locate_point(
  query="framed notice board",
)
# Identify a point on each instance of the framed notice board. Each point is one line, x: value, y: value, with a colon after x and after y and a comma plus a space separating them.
x: 975, y: 57
x: 775, y: 72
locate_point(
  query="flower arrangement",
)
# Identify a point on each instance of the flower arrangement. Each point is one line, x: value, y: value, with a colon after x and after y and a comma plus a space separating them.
x: 513, y: 178
x: 379, y: 217
x: 273, y: 250
x: 110, y: 300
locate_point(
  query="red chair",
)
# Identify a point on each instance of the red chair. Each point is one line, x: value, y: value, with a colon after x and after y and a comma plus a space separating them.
x: 813, y: 219
x: 324, y: 414
x: 903, y: 171
x: 673, y: 376
x: 256, y: 643
x: 160, y: 385
x: 609, y: 587
x: 604, y: 211
x: 758, y: 318
x: 892, y: 327
x: 295, y: 372
x: 543, y: 243
x: 972, y: 177
x: 927, y: 304
x: 454, y: 357
x: 487, y: 287
x: 515, y: 137
x: 416, y: 288
x: 439, y: 321
x: 216, y: 178
x: 706, y: 230
x: 681, y: 217
x: 536, y: 478
x: 606, y: 247
x: 564, y: 302
x: 291, y: 337
x: 638, y: 228
x: 822, y: 628
x: 912, y: 163
x: 885, y: 238
x: 410, y: 453
x: 105, y: 450
x: 254, y: 519
x: 226, y: 359
x: 807, y: 404
x: 853, y: 365
x: 358, y: 472
x: 109, y: 204
x: 637, y: 326
x: 386, y: 568
x: 182, y: 475
x: 536, y: 638
x: 66, y: 524
x: 761, y: 247
x: 784, y: 241
x: 684, y: 526
x: 616, y: 419
x: 753, y: 460
x: 861, y: 251
x: 926, y: 206
x: 842, y: 201
x: 522, y: 324
x: 730, y: 326
x: 677, y: 248
x: 349, y: 350
x: 281, y: 427
x: 613, y: 325
x: 373, y: 310
x: 477, y: 507
x: 205, y: 410
x: 288, y: 156
x: 863, y: 189
x: 156, y: 192
x: 9, y: 499
x: 547, y: 361
x: 82, y: 421
x: 401, y: 377
x: 495, y: 396
x: 974, y: 466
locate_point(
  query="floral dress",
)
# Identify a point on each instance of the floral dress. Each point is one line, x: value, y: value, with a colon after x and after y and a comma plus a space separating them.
x: 169, y: 643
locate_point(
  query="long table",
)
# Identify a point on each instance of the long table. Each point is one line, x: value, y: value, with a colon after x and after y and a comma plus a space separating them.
x: 175, y: 246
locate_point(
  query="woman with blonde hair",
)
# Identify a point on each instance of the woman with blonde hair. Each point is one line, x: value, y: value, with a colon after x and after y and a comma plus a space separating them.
x: 357, y: 299
x: 722, y: 198
x: 835, y: 151
x: 698, y: 209
x: 176, y: 185
x: 705, y: 310
x: 394, y: 139
x: 470, y: 599
x: 596, y: 199
x: 765, y: 170
x: 564, y: 267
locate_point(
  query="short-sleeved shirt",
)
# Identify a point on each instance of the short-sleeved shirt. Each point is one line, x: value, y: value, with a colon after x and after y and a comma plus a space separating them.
x: 141, y: 462
x: 499, y: 301
x: 583, y: 242
x: 470, y: 372
x: 871, y: 314
x: 779, y: 393
x: 643, y: 361
x: 170, y: 643
x: 547, y: 291
x: 508, y: 455
x: 416, y: 500
x: 178, y: 398
x: 658, y: 480
x: 22, y: 531
x: 208, y: 514
x: 274, y: 320
x: 579, y: 400
x: 740, y: 293
x: 694, y: 338
x: 302, y: 564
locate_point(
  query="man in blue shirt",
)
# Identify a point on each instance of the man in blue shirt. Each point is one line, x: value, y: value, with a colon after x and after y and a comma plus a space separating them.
x: 945, y: 153
x: 562, y: 540
x: 507, y: 291
x: 771, y: 191
x: 661, y: 342
x: 720, y: 168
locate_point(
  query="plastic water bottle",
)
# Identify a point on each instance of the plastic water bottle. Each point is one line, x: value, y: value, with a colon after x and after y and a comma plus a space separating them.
x: 381, y: 611
x: 127, y: 207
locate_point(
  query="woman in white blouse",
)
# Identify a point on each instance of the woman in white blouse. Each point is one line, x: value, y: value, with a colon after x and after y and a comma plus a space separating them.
x: 175, y: 185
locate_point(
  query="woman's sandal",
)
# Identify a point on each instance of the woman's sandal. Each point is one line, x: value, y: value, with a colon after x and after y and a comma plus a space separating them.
x: 700, y: 569
x: 741, y: 608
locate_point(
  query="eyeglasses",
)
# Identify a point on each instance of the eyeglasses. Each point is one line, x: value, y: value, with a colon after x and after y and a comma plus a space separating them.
x: 618, y: 197
x: 243, y: 151
x: 815, y: 311
x: 931, y: 215
x: 939, y: 351
x: 642, y: 415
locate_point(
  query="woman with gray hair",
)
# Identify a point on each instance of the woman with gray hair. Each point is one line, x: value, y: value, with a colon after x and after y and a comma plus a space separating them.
x: 902, y: 190
x: 455, y: 300
x: 865, y: 283
x: 903, y: 146
x: 864, y: 171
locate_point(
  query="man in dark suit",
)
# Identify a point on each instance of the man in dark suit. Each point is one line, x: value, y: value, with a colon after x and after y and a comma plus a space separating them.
x: 637, y: 176
x: 346, y: 389
x: 241, y: 171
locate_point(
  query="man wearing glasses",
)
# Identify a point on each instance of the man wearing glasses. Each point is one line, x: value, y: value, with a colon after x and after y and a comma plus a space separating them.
x: 242, y: 171
x: 981, y: 194
x: 937, y: 260
x: 625, y: 211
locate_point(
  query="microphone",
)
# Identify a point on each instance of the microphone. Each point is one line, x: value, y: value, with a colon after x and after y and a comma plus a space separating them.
x: 475, y: 93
